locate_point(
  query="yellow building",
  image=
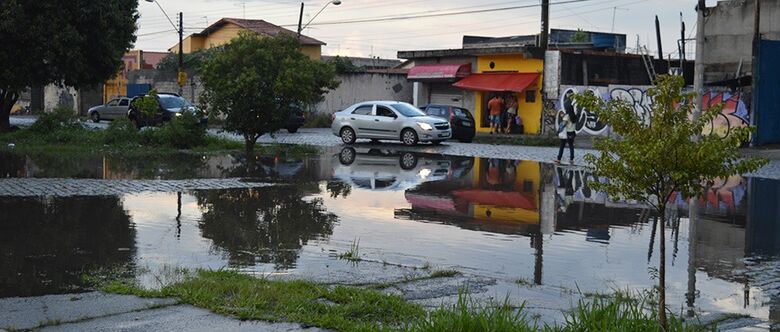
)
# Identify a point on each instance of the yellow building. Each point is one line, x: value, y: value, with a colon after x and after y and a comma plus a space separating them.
x: 226, y: 29
x: 470, y: 77
x: 132, y: 60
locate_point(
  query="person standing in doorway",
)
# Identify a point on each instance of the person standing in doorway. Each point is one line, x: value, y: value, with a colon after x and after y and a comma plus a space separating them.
x: 567, y: 131
x: 495, y: 106
x: 511, y: 113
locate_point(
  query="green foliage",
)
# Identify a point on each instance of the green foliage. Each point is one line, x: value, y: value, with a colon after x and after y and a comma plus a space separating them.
x: 650, y: 162
x: 580, y: 36
x: 148, y: 105
x: 192, y: 61
x: 255, y: 80
x: 318, y: 120
x: 60, y: 119
x: 182, y: 132
x: 76, y: 43
x: 121, y: 131
x: 345, y: 66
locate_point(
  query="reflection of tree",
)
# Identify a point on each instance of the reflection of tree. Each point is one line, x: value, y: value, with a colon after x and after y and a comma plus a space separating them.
x: 268, y: 225
x: 46, y: 244
x: 337, y: 188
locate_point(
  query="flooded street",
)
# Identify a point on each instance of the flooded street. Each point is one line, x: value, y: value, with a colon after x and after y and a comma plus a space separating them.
x: 518, y: 222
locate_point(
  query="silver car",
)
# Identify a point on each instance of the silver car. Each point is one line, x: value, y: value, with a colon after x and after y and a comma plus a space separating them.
x: 389, y: 120
x: 114, y: 109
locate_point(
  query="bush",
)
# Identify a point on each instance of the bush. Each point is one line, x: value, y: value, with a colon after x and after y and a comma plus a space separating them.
x: 121, y: 131
x: 182, y: 132
x: 318, y: 120
x: 59, y: 118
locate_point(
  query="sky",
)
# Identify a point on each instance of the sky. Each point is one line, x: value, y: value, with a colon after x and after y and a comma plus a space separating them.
x: 635, y: 18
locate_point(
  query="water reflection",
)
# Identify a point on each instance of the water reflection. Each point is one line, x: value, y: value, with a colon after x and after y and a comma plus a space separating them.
x: 47, y: 243
x: 268, y: 225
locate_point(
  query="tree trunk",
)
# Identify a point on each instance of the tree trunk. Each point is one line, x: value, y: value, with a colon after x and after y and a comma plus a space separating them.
x: 249, y: 144
x: 662, y: 269
x: 7, y: 100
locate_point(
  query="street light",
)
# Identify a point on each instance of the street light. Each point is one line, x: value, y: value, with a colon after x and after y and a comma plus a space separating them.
x: 300, y: 19
x: 182, y: 78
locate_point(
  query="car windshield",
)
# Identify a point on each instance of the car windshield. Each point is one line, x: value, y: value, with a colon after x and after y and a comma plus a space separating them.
x: 169, y: 102
x: 408, y: 110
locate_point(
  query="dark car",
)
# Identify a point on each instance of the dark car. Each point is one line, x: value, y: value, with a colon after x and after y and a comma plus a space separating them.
x: 296, y: 120
x: 171, y: 105
x: 461, y: 121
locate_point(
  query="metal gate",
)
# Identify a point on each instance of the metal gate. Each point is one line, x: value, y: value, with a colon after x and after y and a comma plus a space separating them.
x: 766, y: 106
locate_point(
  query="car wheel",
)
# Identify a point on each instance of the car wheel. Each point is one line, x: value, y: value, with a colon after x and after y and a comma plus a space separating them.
x: 95, y: 117
x: 292, y: 130
x: 348, y: 135
x: 347, y: 156
x: 409, y: 137
x: 408, y: 161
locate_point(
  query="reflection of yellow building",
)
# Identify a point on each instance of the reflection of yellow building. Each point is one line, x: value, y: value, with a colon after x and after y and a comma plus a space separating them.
x: 529, y: 101
x: 525, y: 181
x: 226, y: 29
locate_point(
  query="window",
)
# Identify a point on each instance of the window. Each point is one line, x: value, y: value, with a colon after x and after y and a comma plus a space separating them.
x: 363, y: 110
x: 171, y: 101
x: 113, y: 102
x: 530, y: 96
x: 408, y: 110
x: 437, y: 111
x: 461, y: 113
x: 386, y: 112
x: 123, y: 102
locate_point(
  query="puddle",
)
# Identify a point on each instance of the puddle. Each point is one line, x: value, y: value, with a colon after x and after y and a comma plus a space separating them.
x: 504, y: 219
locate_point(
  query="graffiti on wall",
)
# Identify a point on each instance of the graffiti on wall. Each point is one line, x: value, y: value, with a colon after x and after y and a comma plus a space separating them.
x: 735, y: 111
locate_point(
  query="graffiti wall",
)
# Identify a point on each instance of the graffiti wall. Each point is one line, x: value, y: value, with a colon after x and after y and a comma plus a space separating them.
x: 735, y: 108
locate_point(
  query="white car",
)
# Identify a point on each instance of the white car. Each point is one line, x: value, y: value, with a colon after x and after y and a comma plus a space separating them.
x: 380, y: 170
x: 114, y: 109
x: 389, y: 120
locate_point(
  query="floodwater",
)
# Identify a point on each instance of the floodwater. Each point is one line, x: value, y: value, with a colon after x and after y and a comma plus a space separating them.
x: 505, y: 219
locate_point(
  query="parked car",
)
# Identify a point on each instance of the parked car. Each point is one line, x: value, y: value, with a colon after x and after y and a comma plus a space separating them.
x: 461, y: 120
x: 296, y: 120
x: 171, y: 105
x: 114, y: 109
x: 385, y: 170
x: 389, y: 120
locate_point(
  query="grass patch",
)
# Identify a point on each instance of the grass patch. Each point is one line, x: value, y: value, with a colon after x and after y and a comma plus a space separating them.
x: 526, y: 140
x: 524, y: 282
x: 231, y: 293
x: 444, y: 273
x: 468, y: 315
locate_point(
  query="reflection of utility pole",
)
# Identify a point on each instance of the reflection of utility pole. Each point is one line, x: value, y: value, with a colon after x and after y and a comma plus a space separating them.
x: 690, y: 295
x: 538, y: 242
x: 178, y: 215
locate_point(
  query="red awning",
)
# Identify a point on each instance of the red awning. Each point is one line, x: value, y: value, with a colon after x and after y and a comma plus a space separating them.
x: 507, y: 199
x: 499, y: 82
x: 439, y: 71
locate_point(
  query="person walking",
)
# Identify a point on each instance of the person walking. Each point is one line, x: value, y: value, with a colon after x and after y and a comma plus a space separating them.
x: 567, y: 131
x: 495, y: 106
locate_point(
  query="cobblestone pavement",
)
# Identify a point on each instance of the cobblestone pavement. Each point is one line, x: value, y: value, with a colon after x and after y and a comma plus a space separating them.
x: 324, y: 138
x: 32, y: 187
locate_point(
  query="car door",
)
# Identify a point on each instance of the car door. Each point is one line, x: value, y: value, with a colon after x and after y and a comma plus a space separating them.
x: 105, y: 111
x: 361, y: 119
x: 386, y: 122
x: 119, y: 109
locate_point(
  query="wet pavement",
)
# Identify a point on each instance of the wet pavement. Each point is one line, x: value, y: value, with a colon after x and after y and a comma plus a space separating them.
x: 521, y: 229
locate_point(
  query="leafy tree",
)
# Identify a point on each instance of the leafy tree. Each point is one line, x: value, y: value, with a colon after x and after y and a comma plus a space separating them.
x: 257, y: 81
x: 344, y: 66
x: 191, y: 61
x: 580, y: 36
x: 650, y: 163
x: 76, y: 43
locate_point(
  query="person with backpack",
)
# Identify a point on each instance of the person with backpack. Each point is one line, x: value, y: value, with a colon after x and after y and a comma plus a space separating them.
x: 567, y: 131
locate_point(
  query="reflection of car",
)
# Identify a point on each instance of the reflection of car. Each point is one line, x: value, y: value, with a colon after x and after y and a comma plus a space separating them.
x: 114, y: 109
x: 391, y: 170
x: 171, y: 105
x: 461, y: 121
x: 390, y: 120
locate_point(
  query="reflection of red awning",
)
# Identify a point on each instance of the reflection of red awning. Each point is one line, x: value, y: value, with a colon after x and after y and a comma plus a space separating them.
x: 431, y: 202
x: 439, y: 71
x: 508, y: 199
x: 499, y: 82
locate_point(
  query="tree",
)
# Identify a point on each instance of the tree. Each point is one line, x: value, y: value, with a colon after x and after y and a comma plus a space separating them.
x: 256, y: 82
x: 652, y: 162
x: 580, y: 36
x: 75, y: 43
x: 191, y: 61
x: 345, y: 66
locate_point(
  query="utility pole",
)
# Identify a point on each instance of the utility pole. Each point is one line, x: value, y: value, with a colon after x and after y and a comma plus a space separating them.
x: 300, y: 22
x: 182, y: 78
x: 698, y: 79
x: 658, y: 38
x: 544, y: 36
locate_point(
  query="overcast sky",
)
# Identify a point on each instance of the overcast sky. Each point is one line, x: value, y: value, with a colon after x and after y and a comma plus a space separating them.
x: 384, y: 38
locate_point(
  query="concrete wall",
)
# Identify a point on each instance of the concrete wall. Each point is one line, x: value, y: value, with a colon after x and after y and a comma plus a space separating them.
x: 354, y: 88
x: 728, y: 34
x: 359, y: 87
